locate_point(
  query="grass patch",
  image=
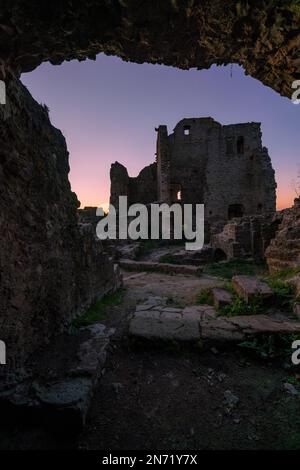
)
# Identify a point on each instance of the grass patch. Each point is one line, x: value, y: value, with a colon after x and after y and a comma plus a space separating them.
x: 240, y: 307
x: 171, y: 301
x: 205, y: 297
x: 97, y: 311
x: 284, y: 274
x: 233, y: 267
x: 284, y: 292
x: 271, y: 346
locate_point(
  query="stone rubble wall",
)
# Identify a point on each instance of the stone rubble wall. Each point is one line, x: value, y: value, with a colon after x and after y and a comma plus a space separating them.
x: 247, y: 236
x: 139, y: 189
x: 51, y: 267
x: 284, y: 250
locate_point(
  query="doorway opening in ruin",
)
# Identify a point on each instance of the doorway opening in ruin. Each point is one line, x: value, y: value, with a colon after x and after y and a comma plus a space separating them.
x: 240, y: 145
x: 219, y: 255
x: 229, y: 146
x: 235, y: 210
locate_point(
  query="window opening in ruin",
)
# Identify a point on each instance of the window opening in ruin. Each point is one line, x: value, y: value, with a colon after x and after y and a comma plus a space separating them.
x: 235, y: 210
x: 240, y: 145
x: 176, y: 192
x: 229, y: 146
x: 219, y: 255
x: 259, y: 208
x: 186, y: 130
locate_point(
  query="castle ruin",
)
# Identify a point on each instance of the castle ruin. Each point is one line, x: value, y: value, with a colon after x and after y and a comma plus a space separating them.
x: 224, y: 167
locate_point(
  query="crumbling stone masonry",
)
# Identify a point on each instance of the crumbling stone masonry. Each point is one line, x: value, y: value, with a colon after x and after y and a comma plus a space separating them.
x: 224, y: 167
x: 260, y: 35
x: 52, y: 268
x: 284, y: 250
x: 247, y: 236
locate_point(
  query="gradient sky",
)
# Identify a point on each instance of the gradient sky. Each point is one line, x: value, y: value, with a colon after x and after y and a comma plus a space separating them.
x: 108, y: 111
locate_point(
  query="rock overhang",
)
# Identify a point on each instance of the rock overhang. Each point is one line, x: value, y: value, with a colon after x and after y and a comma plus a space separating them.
x: 263, y: 36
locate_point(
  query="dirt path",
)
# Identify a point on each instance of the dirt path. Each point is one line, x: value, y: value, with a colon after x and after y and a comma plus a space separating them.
x: 157, y: 399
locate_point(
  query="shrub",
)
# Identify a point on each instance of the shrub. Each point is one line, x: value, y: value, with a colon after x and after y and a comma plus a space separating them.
x: 205, y: 297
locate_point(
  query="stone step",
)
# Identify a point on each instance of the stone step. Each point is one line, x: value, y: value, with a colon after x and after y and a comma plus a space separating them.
x: 169, y: 323
x: 161, y: 267
x: 221, y: 297
x: 249, y: 287
x: 195, y: 323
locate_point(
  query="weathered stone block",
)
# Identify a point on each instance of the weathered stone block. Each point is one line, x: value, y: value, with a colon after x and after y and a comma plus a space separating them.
x: 221, y: 297
x: 250, y: 287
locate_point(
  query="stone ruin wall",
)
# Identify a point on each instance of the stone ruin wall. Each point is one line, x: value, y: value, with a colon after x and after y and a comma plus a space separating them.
x: 247, y: 236
x: 52, y: 268
x: 139, y: 189
x: 205, y: 162
x: 220, y: 166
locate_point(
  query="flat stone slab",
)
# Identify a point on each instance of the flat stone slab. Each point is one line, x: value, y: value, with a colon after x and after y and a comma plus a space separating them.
x: 202, y: 312
x: 221, y: 297
x: 200, y: 322
x: 154, y: 324
x: 161, y: 267
x: 249, y: 287
x: 240, y: 327
x: 154, y: 320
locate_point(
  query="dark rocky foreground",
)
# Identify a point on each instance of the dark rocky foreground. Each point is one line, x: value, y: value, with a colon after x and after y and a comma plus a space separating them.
x: 154, y: 397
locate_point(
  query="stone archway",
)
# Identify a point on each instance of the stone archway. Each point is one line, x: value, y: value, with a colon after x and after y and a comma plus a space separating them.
x: 196, y: 34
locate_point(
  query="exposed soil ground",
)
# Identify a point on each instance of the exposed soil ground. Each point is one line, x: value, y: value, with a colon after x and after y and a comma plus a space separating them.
x: 154, y: 398
x: 157, y: 398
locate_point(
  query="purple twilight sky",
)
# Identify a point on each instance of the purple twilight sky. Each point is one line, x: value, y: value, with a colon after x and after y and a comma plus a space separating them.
x: 108, y: 109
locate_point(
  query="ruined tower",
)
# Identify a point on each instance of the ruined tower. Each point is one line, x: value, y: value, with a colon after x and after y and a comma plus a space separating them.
x: 224, y: 167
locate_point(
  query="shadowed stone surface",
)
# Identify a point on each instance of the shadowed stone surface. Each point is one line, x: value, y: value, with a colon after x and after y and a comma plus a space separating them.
x: 262, y: 36
x: 57, y: 389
